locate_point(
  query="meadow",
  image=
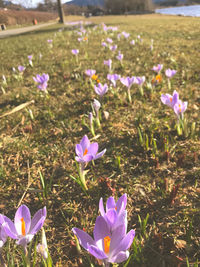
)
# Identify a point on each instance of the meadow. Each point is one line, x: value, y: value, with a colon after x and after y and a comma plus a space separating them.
x: 152, y: 152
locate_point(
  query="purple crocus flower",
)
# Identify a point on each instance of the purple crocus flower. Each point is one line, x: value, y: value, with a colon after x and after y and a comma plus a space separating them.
x: 90, y: 72
x: 50, y: 41
x: 104, y: 44
x: 132, y: 42
x: 113, y: 78
x: 157, y: 68
x: 180, y: 107
x: 23, y: 229
x: 42, y: 81
x: 140, y: 80
x: 30, y: 57
x: 111, y: 247
x: 113, y: 47
x: 126, y: 34
x: 109, y: 40
x: 120, y: 56
x: 108, y: 63
x: 119, y: 36
x: 115, y: 213
x: 170, y: 100
x: 3, y: 235
x: 101, y: 89
x: 21, y: 68
x: 96, y: 105
x: 86, y: 151
x: 75, y: 51
x: 127, y: 81
x: 170, y: 73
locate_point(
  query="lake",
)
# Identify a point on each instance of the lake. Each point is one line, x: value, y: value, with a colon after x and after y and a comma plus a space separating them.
x: 193, y: 11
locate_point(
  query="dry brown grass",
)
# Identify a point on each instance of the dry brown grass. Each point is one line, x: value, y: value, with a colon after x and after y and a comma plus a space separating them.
x: 14, y: 17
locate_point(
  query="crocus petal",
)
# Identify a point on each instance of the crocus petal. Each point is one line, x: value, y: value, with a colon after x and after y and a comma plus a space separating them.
x: 83, y: 238
x: 97, y: 253
x: 93, y: 148
x: 110, y: 204
x: 125, y: 243
x: 79, y: 159
x: 117, y: 236
x: 120, y: 257
x: 79, y: 150
x: 38, y: 221
x: 101, y: 207
x: 88, y: 158
x: 175, y: 97
x: 122, y: 199
x: 9, y: 228
x: 100, y: 154
x: 184, y: 106
x: 37, y: 226
x: 166, y: 99
x: 101, y: 229
x: 23, y: 212
x: 85, y: 142
x: 111, y: 216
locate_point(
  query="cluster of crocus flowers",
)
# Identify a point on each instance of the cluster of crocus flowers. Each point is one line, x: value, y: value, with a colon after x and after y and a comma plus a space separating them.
x: 23, y: 229
x: 111, y: 240
x: 42, y: 81
x: 175, y: 103
x: 85, y: 152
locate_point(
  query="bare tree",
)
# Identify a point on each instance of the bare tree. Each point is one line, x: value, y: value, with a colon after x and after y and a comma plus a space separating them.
x: 60, y: 11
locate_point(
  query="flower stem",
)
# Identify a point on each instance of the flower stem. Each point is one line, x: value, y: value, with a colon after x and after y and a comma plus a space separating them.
x: 129, y: 95
x: 82, y: 176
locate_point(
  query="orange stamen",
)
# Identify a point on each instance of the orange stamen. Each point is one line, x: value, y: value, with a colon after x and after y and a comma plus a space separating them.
x: 23, y: 227
x: 116, y: 208
x: 179, y: 107
x: 107, y: 244
x: 170, y: 99
x: 85, y: 152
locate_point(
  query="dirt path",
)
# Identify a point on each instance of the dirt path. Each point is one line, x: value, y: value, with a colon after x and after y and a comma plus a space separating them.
x: 8, y: 33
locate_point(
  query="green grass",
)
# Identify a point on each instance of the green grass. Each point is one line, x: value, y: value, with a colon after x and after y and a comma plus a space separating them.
x: 44, y: 146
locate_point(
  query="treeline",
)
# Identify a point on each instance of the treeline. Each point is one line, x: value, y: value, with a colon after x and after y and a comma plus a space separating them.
x: 178, y: 2
x: 128, y: 6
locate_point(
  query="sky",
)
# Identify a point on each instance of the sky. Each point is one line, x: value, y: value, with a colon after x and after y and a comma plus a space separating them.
x: 32, y: 3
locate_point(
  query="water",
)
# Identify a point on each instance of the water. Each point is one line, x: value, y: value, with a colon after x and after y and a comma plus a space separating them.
x: 193, y: 11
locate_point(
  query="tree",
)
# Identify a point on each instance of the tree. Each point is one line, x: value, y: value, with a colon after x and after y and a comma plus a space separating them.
x: 60, y: 11
x: 1, y: 3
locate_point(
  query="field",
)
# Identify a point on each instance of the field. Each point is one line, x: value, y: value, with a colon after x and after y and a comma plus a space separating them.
x: 17, y: 18
x: 151, y: 154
